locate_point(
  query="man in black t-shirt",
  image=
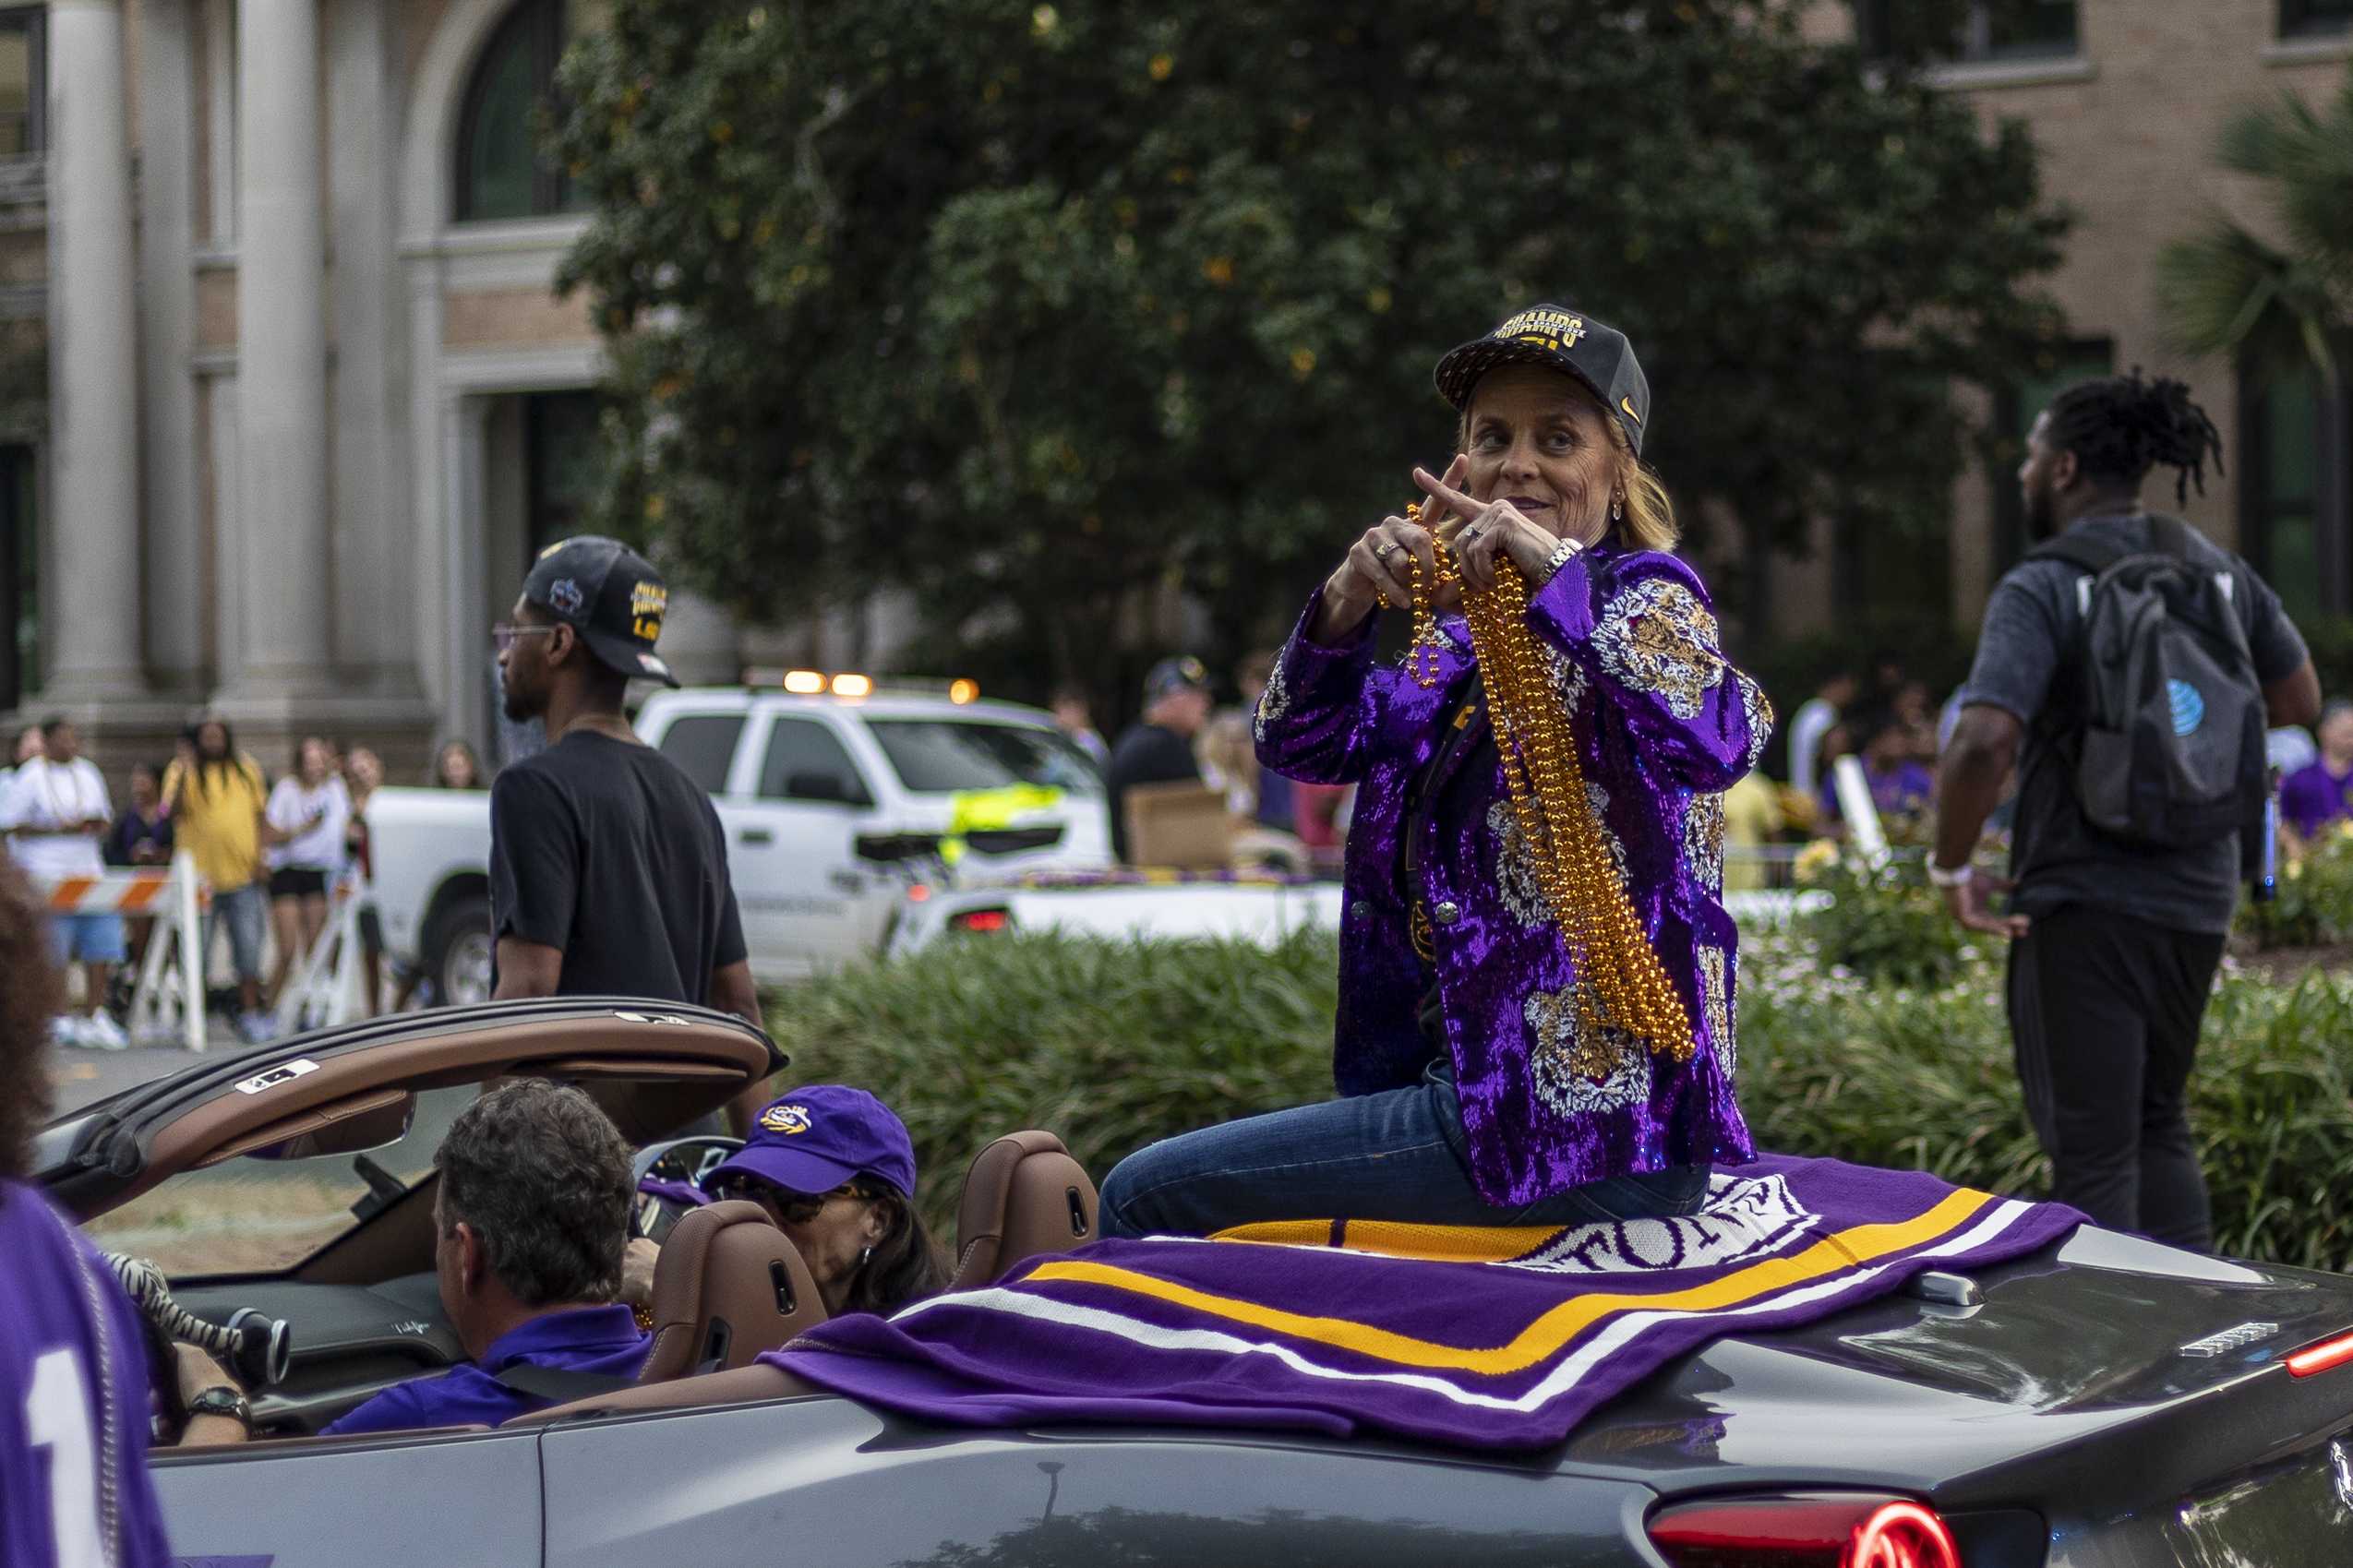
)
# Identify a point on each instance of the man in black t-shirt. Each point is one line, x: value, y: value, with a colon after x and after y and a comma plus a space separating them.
x: 1157, y: 749
x: 608, y: 869
x: 2113, y: 944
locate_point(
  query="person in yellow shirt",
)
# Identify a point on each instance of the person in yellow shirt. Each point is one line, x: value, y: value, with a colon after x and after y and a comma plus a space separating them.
x: 1751, y: 818
x: 215, y: 796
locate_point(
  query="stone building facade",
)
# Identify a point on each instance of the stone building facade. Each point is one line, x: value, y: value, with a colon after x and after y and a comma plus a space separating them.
x: 310, y: 400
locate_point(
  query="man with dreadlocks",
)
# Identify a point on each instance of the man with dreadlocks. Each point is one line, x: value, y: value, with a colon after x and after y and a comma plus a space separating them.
x: 2114, y: 934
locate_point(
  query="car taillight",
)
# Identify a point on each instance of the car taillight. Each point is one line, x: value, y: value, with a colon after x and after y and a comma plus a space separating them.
x: 980, y: 920
x: 2322, y: 1356
x: 1804, y: 1530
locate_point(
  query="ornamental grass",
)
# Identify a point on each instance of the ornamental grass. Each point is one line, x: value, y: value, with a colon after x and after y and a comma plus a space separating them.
x: 1114, y: 1044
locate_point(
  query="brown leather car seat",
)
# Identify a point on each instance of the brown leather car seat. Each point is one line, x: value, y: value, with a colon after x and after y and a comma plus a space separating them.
x: 1025, y: 1195
x: 729, y: 1284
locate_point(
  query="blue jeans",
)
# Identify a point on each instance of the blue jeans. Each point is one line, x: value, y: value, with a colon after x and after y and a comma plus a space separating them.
x: 245, y: 911
x: 1394, y: 1155
x: 92, y: 938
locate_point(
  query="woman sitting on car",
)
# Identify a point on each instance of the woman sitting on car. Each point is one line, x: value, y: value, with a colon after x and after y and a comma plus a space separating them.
x: 836, y: 1169
x: 1535, y: 1021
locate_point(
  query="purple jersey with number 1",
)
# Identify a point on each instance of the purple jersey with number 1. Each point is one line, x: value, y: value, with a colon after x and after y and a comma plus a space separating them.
x: 74, y: 1487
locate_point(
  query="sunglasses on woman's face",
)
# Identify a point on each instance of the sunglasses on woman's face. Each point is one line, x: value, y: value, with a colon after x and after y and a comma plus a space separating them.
x: 790, y: 1208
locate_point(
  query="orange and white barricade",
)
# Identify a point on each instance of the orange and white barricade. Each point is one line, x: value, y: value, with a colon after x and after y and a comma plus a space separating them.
x: 168, y: 1003
x: 325, y: 986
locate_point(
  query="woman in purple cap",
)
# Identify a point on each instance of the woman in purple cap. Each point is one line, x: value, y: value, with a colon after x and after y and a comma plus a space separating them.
x: 834, y: 1168
x: 1536, y: 1004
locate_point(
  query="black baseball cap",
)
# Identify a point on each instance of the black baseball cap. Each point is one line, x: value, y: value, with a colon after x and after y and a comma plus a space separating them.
x: 1562, y: 339
x: 1183, y: 673
x: 611, y: 595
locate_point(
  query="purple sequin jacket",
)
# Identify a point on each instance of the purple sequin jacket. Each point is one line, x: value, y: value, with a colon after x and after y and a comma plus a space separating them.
x: 1663, y: 725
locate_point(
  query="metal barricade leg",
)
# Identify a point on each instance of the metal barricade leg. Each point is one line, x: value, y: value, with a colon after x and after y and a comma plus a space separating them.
x: 169, y: 998
x: 322, y: 990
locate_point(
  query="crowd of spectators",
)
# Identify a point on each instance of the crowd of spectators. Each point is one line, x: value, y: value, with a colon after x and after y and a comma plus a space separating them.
x: 271, y: 854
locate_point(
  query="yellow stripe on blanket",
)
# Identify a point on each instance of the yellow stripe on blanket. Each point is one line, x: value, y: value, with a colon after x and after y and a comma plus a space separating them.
x: 1545, y: 1337
x: 1434, y: 1243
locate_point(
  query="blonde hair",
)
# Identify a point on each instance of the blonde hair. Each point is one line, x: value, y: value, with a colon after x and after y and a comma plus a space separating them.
x: 1649, y: 523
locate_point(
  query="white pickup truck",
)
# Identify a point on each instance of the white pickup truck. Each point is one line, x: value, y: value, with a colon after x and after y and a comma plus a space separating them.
x: 811, y: 790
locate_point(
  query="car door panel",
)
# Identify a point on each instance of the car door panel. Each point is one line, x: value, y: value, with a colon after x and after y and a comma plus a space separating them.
x: 792, y: 818
x: 357, y: 1502
x: 825, y: 1482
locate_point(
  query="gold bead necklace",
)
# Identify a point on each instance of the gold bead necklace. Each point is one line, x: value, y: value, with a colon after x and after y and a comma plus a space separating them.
x: 1625, y: 987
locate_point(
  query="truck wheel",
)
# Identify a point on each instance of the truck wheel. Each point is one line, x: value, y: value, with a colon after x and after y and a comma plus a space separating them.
x: 459, y: 953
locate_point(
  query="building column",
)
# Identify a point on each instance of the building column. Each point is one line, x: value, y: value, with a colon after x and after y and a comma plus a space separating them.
x: 285, y: 645
x: 94, y: 604
x: 174, y: 542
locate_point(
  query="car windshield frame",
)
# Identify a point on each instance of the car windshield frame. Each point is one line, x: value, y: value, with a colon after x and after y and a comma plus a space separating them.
x: 892, y: 734
x: 199, y: 1224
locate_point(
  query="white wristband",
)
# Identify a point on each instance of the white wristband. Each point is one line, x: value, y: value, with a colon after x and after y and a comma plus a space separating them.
x: 1953, y: 876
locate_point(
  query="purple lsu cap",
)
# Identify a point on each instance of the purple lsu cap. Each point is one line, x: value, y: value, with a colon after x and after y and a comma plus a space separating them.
x: 818, y: 1137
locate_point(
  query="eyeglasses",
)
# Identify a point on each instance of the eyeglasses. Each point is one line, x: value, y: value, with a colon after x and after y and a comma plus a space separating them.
x: 790, y: 1208
x: 503, y: 636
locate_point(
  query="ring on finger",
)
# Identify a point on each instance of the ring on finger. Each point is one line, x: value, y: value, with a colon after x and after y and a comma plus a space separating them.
x: 1385, y: 551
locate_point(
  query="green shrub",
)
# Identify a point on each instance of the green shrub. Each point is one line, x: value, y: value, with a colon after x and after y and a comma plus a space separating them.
x: 1113, y: 1045
x: 1882, y: 924
x: 1917, y: 1078
x: 2314, y: 907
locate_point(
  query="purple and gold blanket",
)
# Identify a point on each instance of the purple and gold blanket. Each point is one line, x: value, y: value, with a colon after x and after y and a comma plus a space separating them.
x: 1476, y: 1337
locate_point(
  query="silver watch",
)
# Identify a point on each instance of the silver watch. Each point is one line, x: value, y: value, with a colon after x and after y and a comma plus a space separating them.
x: 1560, y: 557
x: 1950, y: 876
x: 222, y: 1402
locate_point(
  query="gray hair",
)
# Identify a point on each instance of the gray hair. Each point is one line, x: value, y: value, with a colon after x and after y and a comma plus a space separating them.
x: 543, y: 1177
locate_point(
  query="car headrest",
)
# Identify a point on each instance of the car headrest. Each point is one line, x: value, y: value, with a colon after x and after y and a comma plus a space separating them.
x: 729, y: 1284
x: 1024, y: 1196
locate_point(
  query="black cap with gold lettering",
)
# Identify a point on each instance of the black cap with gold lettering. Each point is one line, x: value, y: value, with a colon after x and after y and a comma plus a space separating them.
x: 1593, y: 351
x: 611, y: 595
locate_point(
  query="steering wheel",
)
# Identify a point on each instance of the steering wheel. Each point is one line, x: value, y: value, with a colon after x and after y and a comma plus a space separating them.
x: 669, y: 1180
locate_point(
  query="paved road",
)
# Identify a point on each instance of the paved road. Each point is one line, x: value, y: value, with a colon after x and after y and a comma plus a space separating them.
x: 83, y: 1075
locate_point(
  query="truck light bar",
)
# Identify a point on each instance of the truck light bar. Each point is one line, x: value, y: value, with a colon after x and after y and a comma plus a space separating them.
x: 855, y: 684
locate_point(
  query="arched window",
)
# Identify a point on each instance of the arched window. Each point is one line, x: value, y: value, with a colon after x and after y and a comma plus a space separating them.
x: 501, y: 171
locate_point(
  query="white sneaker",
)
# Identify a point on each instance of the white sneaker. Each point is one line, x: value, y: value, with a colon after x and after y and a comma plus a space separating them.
x: 257, y: 1028
x: 103, y: 1032
x: 65, y: 1029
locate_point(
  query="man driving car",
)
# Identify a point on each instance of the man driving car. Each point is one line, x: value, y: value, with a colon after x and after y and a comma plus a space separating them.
x: 531, y: 1217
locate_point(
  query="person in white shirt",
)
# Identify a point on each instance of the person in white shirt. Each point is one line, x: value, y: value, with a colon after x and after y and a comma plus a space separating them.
x: 2290, y: 749
x: 311, y: 811
x: 1810, y: 724
x: 56, y: 812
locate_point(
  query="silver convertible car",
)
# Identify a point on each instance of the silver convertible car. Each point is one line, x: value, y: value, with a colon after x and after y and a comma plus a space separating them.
x: 2104, y: 1401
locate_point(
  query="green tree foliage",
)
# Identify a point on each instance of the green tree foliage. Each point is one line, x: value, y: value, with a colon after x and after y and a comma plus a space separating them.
x: 1030, y: 308
x: 2230, y: 290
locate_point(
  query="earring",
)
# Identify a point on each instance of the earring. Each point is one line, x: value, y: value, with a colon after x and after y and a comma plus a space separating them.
x: 1617, y: 508
x: 865, y: 1257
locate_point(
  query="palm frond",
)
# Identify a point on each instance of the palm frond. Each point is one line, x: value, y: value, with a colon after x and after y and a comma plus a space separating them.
x: 2304, y: 157
x: 2221, y: 290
